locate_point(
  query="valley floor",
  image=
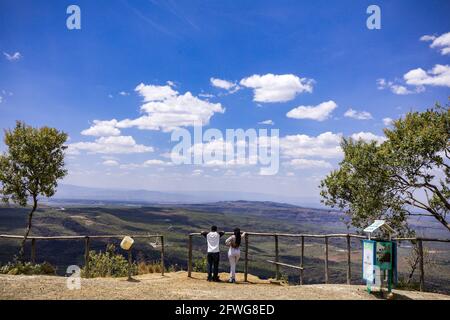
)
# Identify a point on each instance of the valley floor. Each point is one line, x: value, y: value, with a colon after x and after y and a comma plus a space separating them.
x: 174, y: 286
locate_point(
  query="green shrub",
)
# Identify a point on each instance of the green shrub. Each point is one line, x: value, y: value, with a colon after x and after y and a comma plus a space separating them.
x: 108, y: 264
x: 28, y: 268
x: 145, y: 268
x: 200, y: 265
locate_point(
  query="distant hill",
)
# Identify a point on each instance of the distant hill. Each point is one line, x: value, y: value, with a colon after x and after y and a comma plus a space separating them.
x: 117, y: 195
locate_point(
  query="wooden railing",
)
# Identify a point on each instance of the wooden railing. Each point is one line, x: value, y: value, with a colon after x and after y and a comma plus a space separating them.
x: 87, y: 242
x: 302, y: 237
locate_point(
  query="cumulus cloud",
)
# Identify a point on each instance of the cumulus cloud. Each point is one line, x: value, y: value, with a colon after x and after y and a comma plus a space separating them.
x: 397, y: 88
x: 325, y: 145
x: 441, y: 42
x: 155, y: 93
x: 308, y: 164
x: 102, y: 129
x: 438, y: 76
x: 165, y: 109
x: 12, y: 57
x: 111, y: 163
x: 224, y: 84
x: 358, y: 115
x: 276, y: 88
x: 387, y: 121
x: 109, y: 145
x: 368, y: 137
x: 267, y: 122
x: 320, y: 112
x: 146, y: 164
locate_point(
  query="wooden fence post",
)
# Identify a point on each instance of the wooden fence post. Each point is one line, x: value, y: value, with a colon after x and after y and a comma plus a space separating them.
x: 349, y: 260
x: 326, y: 259
x: 421, y: 268
x: 33, y: 250
x: 86, y: 255
x: 190, y: 256
x: 277, y: 267
x: 301, y: 259
x: 129, y: 264
x: 162, y: 255
x: 246, y: 259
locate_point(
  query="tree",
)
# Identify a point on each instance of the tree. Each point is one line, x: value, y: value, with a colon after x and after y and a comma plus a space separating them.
x: 31, y: 167
x: 408, y: 174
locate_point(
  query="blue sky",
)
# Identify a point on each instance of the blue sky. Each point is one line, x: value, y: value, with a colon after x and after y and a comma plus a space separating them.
x: 315, y: 57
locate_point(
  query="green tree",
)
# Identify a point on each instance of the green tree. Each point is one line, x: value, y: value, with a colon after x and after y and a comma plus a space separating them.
x: 408, y: 174
x: 31, y: 167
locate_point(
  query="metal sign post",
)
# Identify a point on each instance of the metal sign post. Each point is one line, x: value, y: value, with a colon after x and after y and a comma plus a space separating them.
x: 379, y: 257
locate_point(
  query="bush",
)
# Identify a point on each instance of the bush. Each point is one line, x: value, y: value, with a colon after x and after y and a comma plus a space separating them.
x: 108, y: 264
x: 200, y: 265
x: 28, y: 268
x: 144, y: 268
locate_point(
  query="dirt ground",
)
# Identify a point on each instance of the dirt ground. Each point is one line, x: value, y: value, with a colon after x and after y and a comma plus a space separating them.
x: 174, y: 286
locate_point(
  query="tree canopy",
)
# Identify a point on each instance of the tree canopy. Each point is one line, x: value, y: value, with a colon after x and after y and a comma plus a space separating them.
x: 408, y: 174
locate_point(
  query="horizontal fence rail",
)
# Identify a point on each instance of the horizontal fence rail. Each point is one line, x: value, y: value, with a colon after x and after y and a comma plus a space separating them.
x: 87, y: 243
x: 326, y: 237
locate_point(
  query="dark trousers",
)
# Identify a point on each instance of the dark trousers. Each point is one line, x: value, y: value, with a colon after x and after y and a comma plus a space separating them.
x: 213, y: 265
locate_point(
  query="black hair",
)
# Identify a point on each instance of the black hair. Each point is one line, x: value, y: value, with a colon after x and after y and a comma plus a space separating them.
x: 214, y: 228
x: 237, y: 235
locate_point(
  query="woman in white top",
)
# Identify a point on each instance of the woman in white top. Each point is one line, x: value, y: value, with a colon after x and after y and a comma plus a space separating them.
x: 234, y: 252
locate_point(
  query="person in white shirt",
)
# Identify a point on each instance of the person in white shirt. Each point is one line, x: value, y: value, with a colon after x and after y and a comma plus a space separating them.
x: 213, y: 240
x: 234, y: 253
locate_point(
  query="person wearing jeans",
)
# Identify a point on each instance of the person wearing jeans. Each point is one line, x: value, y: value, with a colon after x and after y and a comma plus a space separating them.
x: 234, y: 252
x: 213, y: 241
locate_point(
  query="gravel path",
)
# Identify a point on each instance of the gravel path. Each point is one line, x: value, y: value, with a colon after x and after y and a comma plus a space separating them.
x: 177, y: 285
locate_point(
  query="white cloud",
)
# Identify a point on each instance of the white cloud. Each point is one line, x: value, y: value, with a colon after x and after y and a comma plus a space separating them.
x: 268, y: 122
x: 387, y: 121
x: 156, y: 162
x: 206, y: 95
x: 102, y: 129
x: 400, y: 90
x: 146, y: 164
x: 276, y: 88
x: 155, y: 93
x: 123, y: 93
x: 359, y: 115
x: 397, y: 88
x: 231, y: 87
x: 441, y: 42
x: 111, y: 163
x: 438, y: 76
x: 368, y: 137
x: 109, y: 145
x: 427, y: 38
x: 320, y: 112
x: 325, y: 145
x: 308, y: 164
x: 12, y: 57
x: 166, y: 110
